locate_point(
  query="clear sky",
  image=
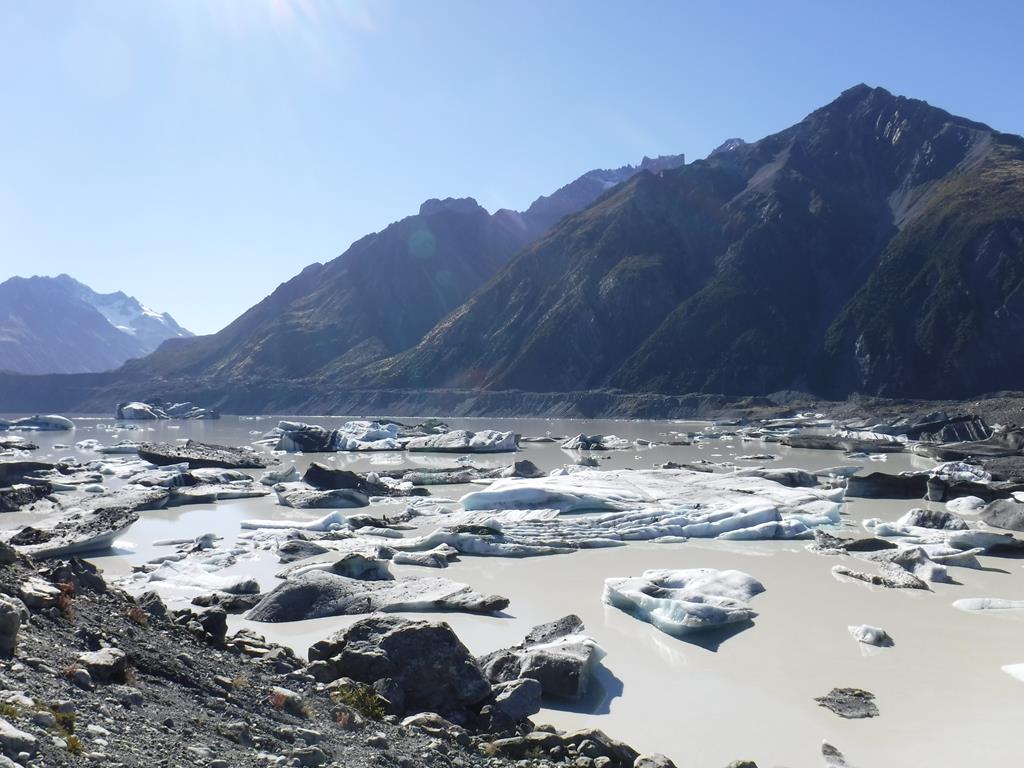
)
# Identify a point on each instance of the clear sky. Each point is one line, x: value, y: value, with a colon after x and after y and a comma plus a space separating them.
x: 196, y: 153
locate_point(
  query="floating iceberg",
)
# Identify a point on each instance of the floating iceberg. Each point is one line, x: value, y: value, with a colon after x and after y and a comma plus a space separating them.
x: 682, y: 601
x: 464, y: 441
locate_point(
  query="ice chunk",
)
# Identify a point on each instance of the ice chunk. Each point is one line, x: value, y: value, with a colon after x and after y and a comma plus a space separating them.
x: 682, y: 601
x: 988, y: 604
x: 865, y: 633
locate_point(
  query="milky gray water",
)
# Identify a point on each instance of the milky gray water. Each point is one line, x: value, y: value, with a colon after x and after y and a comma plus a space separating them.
x: 943, y: 697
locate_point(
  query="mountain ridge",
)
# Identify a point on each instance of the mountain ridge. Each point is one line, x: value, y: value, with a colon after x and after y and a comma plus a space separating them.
x: 60, y: 325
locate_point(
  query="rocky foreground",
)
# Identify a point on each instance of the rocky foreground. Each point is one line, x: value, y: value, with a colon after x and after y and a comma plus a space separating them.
x: 91, y: 675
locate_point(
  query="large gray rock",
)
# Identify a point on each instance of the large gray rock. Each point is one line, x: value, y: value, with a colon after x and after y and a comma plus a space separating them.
x: 315, y: 594
x: 14, y: 741
x: 10, y: 623
x: 518, y: 699
x: 557, y: 655
x: 1004, y: 513
x: 425, y: 660
x: 107, y: 665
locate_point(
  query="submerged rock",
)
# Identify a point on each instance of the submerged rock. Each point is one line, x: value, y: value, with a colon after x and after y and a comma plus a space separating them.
x: 682, y: 601
x: 198, y: 455
x: 317, y: 593
x: 851, y: 703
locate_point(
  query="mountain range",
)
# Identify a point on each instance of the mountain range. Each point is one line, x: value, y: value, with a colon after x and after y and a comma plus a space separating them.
x: 59, y: 325
x: 876, y: 246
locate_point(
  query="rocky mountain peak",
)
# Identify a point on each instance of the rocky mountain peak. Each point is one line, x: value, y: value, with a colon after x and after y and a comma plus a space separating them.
x: 465, y: 205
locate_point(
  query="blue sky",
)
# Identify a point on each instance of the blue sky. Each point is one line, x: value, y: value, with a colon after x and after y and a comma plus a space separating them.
x: 196, y: 153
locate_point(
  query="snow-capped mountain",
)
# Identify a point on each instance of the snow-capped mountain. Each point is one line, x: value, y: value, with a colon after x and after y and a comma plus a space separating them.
x: 59, y: 325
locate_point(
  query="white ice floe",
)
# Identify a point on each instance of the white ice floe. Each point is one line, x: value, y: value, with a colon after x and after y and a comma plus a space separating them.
x: 332, y: 521
x: 367, y: 436
x: 1014, y: 670
x: 590, y: 490
x: 971, y: 538
x: 192, y: 575
x: 865, y: 633
x: 682, y: 601
x: 464, y: 441
x: 523, y: 515
x: 966, y: 505
x: 988, y: 604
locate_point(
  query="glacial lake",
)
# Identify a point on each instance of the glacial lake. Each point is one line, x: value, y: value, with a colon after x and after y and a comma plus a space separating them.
x: 943, y: 697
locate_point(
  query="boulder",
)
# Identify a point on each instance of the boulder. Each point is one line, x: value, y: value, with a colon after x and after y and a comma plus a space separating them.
x: 14, y: 741
x: 518, y: 699
x: 107, y: 665
x: 10, y: 623
x: 557, y: 655
x: 425, y: 660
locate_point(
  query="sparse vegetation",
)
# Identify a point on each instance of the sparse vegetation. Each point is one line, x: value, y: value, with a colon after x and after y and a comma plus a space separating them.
x: 362, y: 699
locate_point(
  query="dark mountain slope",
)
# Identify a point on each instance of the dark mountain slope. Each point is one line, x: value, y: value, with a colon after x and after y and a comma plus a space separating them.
x: 944, y: 310
x: 732, y: 274
x: 379, y: 297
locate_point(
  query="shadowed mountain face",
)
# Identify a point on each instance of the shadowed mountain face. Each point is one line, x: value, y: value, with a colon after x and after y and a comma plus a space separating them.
x: 382, y: 295
x: 876, y: 246
x: 59, y: 325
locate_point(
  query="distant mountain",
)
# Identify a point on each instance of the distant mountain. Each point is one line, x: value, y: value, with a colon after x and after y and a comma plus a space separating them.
x: 381, y: 295
x: 876, y: 246
x: 59, y: 325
